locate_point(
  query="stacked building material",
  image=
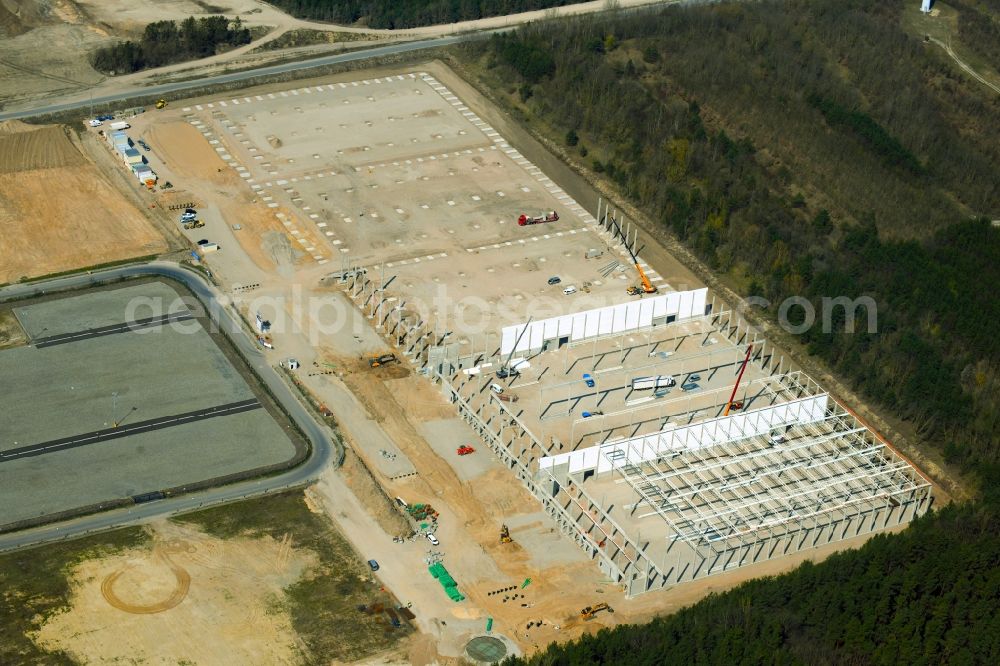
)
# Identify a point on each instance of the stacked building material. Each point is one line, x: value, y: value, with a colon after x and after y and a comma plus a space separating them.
x: 447, y: 582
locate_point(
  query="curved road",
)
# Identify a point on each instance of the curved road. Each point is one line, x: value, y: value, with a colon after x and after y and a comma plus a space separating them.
x: 228, y: 321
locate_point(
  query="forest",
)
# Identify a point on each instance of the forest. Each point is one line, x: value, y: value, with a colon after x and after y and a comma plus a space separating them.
x: 979, y: 24
x: 409, y: 13
x: 167, y: 42
x: 809, y: 148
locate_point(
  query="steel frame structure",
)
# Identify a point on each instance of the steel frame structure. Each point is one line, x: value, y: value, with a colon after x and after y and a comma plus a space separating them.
x: 742, y: 499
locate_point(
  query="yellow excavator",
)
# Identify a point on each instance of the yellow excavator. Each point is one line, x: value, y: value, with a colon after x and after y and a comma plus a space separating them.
x: 505, y: 534
x: 160, y: 103
x: 589, y: 612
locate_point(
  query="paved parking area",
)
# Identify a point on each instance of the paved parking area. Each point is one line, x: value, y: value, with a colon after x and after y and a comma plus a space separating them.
x: 90, y: 385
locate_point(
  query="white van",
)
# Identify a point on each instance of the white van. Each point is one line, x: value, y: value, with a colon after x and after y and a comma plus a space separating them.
x: 570, y: 290
x: 496, y: 388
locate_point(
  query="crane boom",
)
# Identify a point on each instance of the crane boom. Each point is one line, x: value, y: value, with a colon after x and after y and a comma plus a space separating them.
x: 738, y: 379
x: 647, y: 286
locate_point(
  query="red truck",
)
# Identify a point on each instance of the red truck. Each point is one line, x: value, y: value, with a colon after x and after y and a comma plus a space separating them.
x: 524, y: 220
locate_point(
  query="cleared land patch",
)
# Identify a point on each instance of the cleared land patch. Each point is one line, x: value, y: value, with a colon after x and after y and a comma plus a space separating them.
x: 264, y: 581
x: 58, y: 211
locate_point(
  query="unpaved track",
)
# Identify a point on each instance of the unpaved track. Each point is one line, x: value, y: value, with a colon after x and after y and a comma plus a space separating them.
x: 177, y: 595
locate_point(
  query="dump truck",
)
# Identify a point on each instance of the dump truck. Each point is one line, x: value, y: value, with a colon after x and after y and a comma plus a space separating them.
x: 550, y: 216
x: 376, y: 361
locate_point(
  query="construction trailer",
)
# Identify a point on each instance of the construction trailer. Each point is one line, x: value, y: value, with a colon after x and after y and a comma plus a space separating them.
x: 121, y: 143
x: 132, y: 156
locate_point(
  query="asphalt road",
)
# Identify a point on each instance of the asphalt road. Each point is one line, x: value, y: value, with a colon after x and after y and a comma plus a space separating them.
x: 136, y: 325
x: 122, y: 430
x: 227, y: 320
x: 163, y: 89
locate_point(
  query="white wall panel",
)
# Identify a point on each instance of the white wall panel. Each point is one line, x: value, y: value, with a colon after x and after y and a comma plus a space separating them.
x: 608, y: 320
x: 693, y: 437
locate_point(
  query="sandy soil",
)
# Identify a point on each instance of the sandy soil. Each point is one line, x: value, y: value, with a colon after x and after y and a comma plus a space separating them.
x: 188, y: 154
x: 190, y: 599
x: 88, y: 223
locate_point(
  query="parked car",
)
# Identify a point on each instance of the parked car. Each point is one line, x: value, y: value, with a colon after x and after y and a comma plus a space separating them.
x: 145, y: 146
x: 555, y: 279
x: 588, y: 380
x: 95, y: 122
x: 569, y: 290
x: 373, y: 564
x: 433, y: 539
x: 777, y: 437
x: 689, y: 386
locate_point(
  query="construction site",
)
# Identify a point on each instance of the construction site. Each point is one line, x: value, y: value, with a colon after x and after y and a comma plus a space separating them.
x: 657, y: 431
x: 544, y: 415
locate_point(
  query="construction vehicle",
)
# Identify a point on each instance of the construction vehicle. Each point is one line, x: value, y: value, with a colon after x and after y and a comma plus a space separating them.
x: 376, y: 361
x: 506, y: 370
x: 644, y: 286
x: 732, y: 404
x: 589, y: 612
x: 505, y: 534
x: 160, y: 103
x: 194, y: 224
x: 465, y: 450
x: 507, y: 397
x: 550, y: 216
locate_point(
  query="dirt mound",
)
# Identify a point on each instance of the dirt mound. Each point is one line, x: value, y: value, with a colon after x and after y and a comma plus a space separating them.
x: 45, y: 148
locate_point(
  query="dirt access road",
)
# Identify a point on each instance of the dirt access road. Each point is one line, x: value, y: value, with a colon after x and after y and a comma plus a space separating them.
x: 40, y: 61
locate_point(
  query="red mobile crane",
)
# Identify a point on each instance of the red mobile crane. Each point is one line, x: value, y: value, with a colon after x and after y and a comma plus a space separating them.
x: 730, y: 404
